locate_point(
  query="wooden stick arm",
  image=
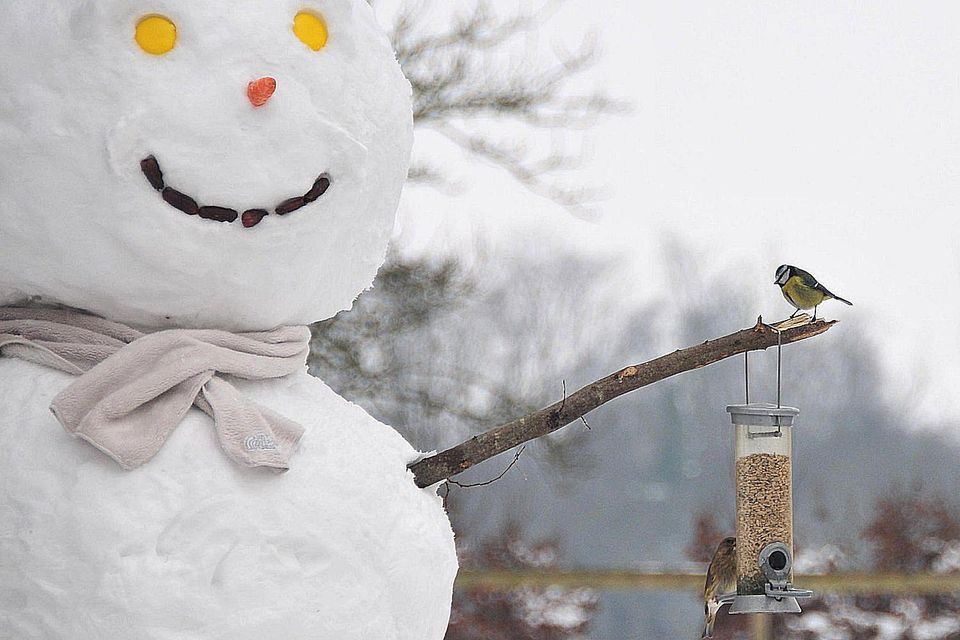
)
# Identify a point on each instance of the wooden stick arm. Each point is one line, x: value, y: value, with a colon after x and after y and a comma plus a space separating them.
x: 461, y: 457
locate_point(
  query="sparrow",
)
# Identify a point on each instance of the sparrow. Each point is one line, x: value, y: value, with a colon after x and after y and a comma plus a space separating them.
x: 721, y: 579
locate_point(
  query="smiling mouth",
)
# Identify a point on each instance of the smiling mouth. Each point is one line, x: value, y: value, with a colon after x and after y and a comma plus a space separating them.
x: 249, y: 218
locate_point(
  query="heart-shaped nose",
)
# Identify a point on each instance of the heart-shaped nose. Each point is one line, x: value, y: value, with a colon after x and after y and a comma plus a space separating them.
x: 260, y: 90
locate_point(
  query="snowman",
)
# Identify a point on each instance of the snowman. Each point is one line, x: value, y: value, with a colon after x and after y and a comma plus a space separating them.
x: 183, y: 187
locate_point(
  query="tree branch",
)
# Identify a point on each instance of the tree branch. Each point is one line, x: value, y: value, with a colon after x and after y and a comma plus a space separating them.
x: 457, y: 459
x: 482, y: 68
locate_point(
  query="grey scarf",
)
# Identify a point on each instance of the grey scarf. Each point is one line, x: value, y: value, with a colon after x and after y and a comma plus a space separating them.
x: 134, y: 388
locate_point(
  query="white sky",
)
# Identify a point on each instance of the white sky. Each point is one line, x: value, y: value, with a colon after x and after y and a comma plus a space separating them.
x: 825, y: 135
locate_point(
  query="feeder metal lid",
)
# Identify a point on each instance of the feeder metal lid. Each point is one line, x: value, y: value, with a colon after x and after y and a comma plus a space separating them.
x: 762, y: 414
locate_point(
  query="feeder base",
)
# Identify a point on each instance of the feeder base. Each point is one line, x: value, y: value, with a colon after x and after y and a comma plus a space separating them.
x: 764, y: 604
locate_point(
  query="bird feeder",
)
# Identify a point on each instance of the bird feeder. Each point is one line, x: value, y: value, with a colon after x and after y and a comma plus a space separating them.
x: 764, y: 484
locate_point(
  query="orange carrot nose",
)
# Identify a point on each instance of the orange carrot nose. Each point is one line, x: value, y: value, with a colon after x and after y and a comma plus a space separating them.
x: 260, y: 90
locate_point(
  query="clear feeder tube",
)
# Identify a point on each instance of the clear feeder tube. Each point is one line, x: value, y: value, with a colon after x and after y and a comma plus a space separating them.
x: 764, y: 482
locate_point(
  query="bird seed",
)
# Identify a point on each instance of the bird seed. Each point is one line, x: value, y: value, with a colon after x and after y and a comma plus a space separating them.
x: 764, y: 514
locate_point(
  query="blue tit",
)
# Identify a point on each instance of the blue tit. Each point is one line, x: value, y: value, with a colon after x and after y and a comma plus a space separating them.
x: 802, y: 290
x: 721, y: 579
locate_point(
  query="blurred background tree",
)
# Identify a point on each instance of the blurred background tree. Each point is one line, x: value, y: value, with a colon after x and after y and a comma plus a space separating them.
x: 401, y: 354
x: 471, y: 65
x: 912, y: 530
x: 465, y: 70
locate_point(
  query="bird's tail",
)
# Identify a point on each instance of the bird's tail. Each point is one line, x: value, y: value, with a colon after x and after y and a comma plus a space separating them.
x: 708, y: 625
x: 842, y: 300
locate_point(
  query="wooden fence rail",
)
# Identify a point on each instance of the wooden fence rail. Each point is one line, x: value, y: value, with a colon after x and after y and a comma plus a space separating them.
x: 836, y: 583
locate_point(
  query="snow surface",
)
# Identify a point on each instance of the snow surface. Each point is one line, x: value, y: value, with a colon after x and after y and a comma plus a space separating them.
x: 81, y: 105
x: 191, y: 546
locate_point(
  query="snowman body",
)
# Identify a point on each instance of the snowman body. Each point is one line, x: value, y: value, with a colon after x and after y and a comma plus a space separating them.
x: 192, y: 545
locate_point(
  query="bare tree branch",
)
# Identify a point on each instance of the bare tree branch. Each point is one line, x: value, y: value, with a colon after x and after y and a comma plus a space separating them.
x: 515, y: 159
x: 472, y: 73
x: 457, y: 459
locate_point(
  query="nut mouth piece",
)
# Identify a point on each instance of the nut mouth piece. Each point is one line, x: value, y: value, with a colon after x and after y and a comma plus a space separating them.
x: 778, y: 596
x: 776, y: 563
x: 150, y: 167
x: 777, y: 560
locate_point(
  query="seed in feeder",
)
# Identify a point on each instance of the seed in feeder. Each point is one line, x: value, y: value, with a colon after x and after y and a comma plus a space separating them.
x: 151, y: 169
x: 318, y: 189
x: 291, y: 204
x: 220, y: 214
x: 252, y: 217
x: 764, y: 514
x: 181, y: 201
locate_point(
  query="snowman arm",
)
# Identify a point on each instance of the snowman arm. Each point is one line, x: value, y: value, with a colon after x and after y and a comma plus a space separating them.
x: 461, y: 457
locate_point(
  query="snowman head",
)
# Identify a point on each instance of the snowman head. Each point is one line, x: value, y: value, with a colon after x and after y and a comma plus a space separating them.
x: 225, y: 163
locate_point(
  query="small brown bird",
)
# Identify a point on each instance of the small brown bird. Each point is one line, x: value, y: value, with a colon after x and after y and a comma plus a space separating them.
x: 721, y: 579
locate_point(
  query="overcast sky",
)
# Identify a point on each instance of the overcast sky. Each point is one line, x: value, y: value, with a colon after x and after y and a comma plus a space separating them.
x: 826, y: 135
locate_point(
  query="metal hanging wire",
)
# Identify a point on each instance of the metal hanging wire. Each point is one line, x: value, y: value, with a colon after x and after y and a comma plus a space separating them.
x: 779, y: 352
x: 746, y: 377
x: 746, y: 369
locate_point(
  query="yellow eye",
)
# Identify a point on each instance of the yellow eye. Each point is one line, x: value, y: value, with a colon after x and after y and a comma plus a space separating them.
x: 156, y: 35
x: 311, y: 30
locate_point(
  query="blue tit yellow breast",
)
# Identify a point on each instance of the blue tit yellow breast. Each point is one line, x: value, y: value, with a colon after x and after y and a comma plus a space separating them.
x: 800, y: 295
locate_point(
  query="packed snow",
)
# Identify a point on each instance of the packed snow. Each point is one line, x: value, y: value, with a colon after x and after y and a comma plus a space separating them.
x: 191, y: 545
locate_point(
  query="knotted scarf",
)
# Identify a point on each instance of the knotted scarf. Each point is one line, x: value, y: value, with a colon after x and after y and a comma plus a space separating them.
x: 134, y: 388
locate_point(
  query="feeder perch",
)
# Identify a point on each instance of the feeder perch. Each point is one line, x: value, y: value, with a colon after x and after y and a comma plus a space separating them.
x: 764, y: 484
